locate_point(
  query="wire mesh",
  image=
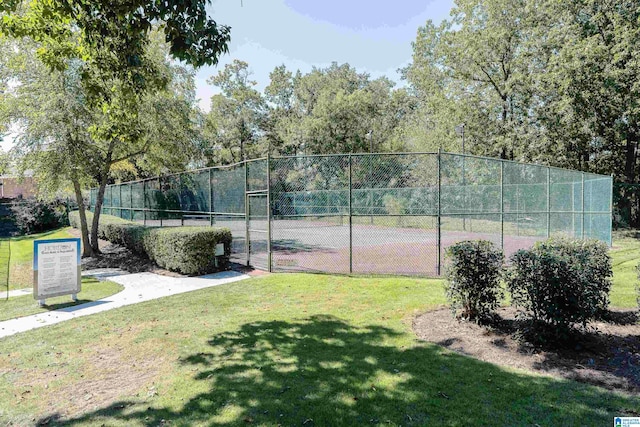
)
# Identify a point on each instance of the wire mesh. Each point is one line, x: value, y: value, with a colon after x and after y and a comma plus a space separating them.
x: 371, y: 213
x: 394, y: 198
x: 310, y: 200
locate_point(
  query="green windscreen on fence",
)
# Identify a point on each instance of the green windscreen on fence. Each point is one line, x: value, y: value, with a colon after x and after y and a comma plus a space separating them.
x: 371, y: 213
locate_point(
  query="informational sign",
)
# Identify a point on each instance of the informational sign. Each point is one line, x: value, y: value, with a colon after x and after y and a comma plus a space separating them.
x: 56, y: 268
x: 626, y: 422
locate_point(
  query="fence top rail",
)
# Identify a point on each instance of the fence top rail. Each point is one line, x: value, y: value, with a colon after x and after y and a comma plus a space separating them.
x: 419, y: 153
x: 198, y: 170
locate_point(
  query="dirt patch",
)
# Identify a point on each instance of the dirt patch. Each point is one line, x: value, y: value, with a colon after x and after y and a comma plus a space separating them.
x: 116, y: 256
x: 114, y: 375
x: 122, y: 367
x: 608, y: 355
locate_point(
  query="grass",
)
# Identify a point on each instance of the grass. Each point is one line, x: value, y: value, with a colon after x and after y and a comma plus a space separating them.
x: 21, y: 264
x: 625, y: 256
x: 92, y: 290
x: 282, y: 349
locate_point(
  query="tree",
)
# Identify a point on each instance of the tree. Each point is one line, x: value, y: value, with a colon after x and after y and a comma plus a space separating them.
x: 233, y: 125
x: 55, y: 121
x: 117, y: 72
x: 472, y: 69
x: 333, y: 110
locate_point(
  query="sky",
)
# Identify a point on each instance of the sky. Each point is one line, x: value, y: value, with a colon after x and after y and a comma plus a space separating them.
x: 373, y: 36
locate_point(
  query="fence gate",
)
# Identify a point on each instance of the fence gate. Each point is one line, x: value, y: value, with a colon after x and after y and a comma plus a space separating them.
x: 258, y: 230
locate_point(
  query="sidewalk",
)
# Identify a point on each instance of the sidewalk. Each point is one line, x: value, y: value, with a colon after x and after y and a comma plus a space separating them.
x: 138, y: 287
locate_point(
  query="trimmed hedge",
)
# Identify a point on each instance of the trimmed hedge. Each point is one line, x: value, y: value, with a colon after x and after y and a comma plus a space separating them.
x: 187, y: 250
x: 190, y: 250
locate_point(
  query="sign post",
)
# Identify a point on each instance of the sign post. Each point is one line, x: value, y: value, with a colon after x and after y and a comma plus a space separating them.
x: 56, y: 269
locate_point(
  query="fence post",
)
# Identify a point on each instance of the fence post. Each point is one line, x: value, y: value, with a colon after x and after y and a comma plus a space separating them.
x: 269, y: 212
x: 350, y: 222
x: 246, y: 211
x: 210, y: 197
x: 611, y: 212
x: 502, y: 205
x: 144, y: 202
x: 548, y: 202
x: 160, y: 190
x: 582, y: 219
x: 131, y: 202
x: 120, y: 199
x: 439, y: 221
x: 180, y: 200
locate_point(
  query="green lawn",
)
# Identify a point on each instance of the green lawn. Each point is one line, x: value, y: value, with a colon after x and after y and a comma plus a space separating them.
x: 92, y: 290
x: 625, y: 256
x: 282, y: 349
x: 21, y: 265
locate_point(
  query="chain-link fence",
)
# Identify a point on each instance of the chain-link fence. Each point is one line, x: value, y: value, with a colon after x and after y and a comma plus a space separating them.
x: 371, y: 213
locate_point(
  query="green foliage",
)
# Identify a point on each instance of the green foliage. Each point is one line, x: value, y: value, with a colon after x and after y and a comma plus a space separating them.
x: 233, y: 123
x: 546, y: 81
x: 119, y: 28
x: 561, y: 283
x: 34, y: 216
x: 473, y: 278
x: 187, y: 250
x: 105, y: 222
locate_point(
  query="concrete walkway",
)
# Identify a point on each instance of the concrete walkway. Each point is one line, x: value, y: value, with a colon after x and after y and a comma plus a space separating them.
x: 138, y: 287
x: 100, y: 274
x: 17, y: 293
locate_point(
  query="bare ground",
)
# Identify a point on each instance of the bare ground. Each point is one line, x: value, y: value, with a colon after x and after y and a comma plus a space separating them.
x: 607, y: 354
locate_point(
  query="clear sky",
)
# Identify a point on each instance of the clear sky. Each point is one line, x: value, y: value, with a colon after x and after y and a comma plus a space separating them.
x: 372, y: 35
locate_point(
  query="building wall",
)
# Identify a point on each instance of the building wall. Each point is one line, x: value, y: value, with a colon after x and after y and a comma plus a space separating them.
x: 12, y: 187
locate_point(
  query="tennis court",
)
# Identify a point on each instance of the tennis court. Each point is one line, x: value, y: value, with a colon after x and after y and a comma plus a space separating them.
x: 371, y: 213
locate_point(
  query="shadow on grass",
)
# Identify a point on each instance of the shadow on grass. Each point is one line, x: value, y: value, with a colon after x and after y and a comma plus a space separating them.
x: 325, y: 371
x: 60, y: 306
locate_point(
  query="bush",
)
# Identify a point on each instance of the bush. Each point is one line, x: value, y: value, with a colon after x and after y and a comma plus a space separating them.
x: 473, y: 279
x: 561, y: 283
x: 188, y: 250
x: 35, y: 216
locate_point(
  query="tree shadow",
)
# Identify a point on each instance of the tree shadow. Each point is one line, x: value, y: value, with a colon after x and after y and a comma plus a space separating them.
x: 294, y: 246
x: 61, y: 305
x: 622, y: 317
x: 322, y: 370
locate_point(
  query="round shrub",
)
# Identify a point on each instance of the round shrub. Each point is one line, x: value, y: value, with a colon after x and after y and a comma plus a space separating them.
x: 473, y: 279
x: 561, y: 283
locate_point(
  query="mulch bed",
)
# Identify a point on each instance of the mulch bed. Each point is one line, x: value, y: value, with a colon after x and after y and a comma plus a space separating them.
x: 607, y: 354
x: 116, y: 256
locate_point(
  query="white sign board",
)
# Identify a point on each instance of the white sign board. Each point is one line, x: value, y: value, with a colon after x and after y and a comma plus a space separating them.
x: 56, y: 268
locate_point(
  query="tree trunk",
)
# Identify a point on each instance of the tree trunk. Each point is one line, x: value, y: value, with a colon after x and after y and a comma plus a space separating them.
x: 630, y: 160
x: 96, y: 214
x: 630, y: 176
x: 87, y: 250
